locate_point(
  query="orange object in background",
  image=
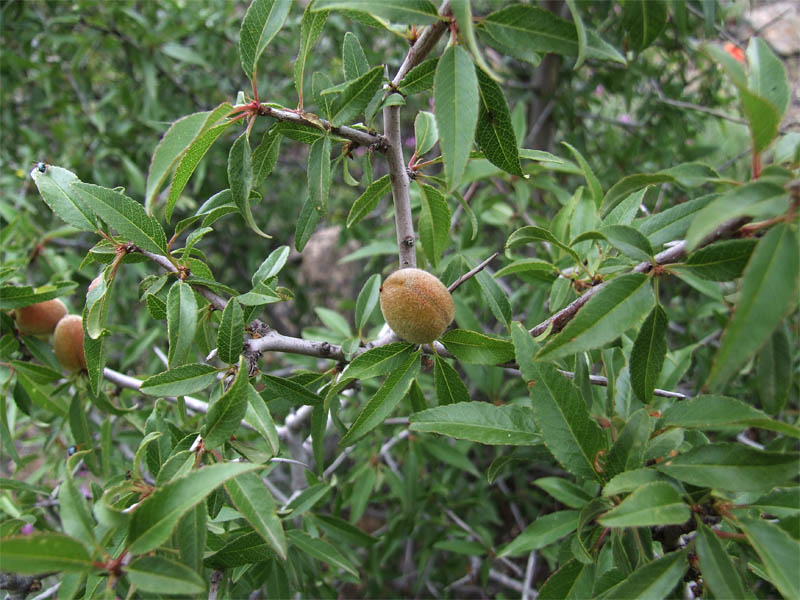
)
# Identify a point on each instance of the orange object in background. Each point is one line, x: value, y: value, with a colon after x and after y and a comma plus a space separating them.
x: 734, y: 51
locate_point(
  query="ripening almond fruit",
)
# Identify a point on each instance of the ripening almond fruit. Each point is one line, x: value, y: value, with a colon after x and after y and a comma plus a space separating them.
x: 416, y: 305
x: 68, y: 343
x: 41, y: 318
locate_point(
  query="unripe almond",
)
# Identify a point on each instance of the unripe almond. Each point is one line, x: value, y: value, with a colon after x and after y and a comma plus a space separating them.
x: 68, y: 343
x: 41, y: 318
x: 416, y: 305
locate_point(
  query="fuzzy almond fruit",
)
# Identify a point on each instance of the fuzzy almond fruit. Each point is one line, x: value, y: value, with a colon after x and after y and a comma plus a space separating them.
x: 68, y: 343
x: 416, y: 305
x: 41, y: 318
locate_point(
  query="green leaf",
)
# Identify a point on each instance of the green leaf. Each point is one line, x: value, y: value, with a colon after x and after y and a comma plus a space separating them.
x: 230, y: 340
x: 774, y: 372
x: 354, y: 61
x: 378, y: 361
x: 591, y: 178
x: 425, y: 132
x: 643, y: 20
x: 656, y: 579
x: 367, y: 301
x: 476, y: 348
x: 420, y: 78
x: 306, y: 224
x: 621, y: 304
x: 264, y: 19
x: 767, y: 78
x: 17, y: 296
x: 495, y: 132
x: 413, y: 12
x: 462, y: 11
x: 647, y: 354
x: 656, y: 503
x: 566, y: 492
x: 629, y: 447
x: 627, y: 185
x: 535, y: 29
x: 253, y: 500
x: 259, y: 417
x: 447, y: 383
x: 526, y: 265
x: 356, y: 96
x: 630, y: 481
x: 572, y: 581
x: 181, y: 321
x: 226, y: 413
x: 719, y: 572
x: 542, y: 532
x: 42, y: 552
x: 455, y: 92
x: 55, y: 187
x: 307, y: 499
x: 125, y: 215
x: 569, y: 433
x: 272, y: 265
x: 319, y: 175
x: 723, y: 261
x: 580, y: 30
x: 161, y: 575
x: 75, y: 518
x: 434, y: 222
x: 624, y: 238
x: 769, y: 288
x: 481, y: 422
x: 240, y: 179
x: 671, y: 224
x: 531, y: 233
x: 778, y: 552
x: 384, y: 401
x: 158, y: 514
x: 719, y: 412
x: 265, y: 156
x: 368, y: 201
x: 494, y: 297
x: 310, y: 30
x: 763, y: 118
x: 322, y: 550
x: 731, y: 467
x: 291, y: 391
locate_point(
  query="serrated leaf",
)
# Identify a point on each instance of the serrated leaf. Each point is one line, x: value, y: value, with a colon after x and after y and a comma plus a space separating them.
x: 354, y: 61
x: 161, y: 575
x: 418, y: 12
x: 561, y: 415
x: 778, y: 552
x: 55, y: 187
x: 434, y: 222
x: 306, y: 224
x: 265, y: 156
x: 158, y: 514
x: 356, y: 96
x: 319, y: 175
x: 719, y: 572
x: 542, y: 532
x: 320, y: 549
x: 259, y: 417
x: 263, y: 20
x: 472, y: 347
x: 310, y: 29
x: 378, y: 361
x: 292, y: 391
x: 621, y: 304
x: 181, y: 321
x: 230, y: 339
x: 420, y: 78
x: 480, y: 422
x: 656, y: 503
x: 125, y: 215
x: 425, y: 133
x: 180, y: 381
x: 272, y: 265
x: 495, y: 132
x: 455, y: 92
x: 253, y: 500
x: 17, y: 296
x: 42, y: 552
x: 447, y: 383
x: 384, y: 401
x: 367, y: 301
x: 769, y: 287
x: 723, y: 261
x: 226, y: 413
x: 531, y: 233
x: 368, y: 201
x: 647, y: 354
x: 774, y: 372
x: 656, y: 579
x: 240, y: 179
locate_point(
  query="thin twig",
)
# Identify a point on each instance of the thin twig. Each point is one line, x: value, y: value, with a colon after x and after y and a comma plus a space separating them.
x: 529, y: 570
x: 452, y: 287
x: 465, y: 526
x: 510, y: 583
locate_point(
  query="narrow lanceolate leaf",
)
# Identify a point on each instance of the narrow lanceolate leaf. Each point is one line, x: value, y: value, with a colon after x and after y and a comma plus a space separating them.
x: 767, y: 77
x: 226, y: 413
x: 656, y: 503
x: 230, y: 340
x: 265, y: 156
x: 647, y: 355
x: 425, y: 132
x: 572, y: 581
x: 191, y: 535
x: 55, y: 187
x: 621, y: 304
x: 656, y: 579
x: 368, y: 201
x: 125, y: 215
x: 462, y: 11
x: 507, y: 425
x: 563, y: 419
x: 643, y: 20
x: 530, y: 234
x: 671, y: 224
x: 412, y: 12
x: 260, y: 419
x: 42, y: 552
x: 306, y: 224
x: 774, y: 372
x: 367, y: 301
x: 354, y: 61
x: 264, y: 18
x: 434, y: 222
x: 158, y: 514
x: 455, y: 91
x: 628, y: 450
x: 75, y: 518
x: 447, y: 383
x: 378, y: 361
x: 494, y: 297
x: 310, y: 29
x: 778, y: 552
x: 253, y: 500
x: 321, y: 550
x: 719, y: 572
x: 588, y: 173
x: 420, y: 78
x: 161, y: 575
x: 180, y: 381
x: 719, y: 412
x: 355, y: 97
x: 495, y: 132
x: 542, y: 532
x: 476, y: 348
x: 769, y: 288
x: 384, y: 401
x: 240, y: 179
x: 627, y: 185
x: 291, y: 390
x: 17, y: 296
x: 319, y: 175
x: 731, y: 467
x: 723, y: 261
x: 181, y: 321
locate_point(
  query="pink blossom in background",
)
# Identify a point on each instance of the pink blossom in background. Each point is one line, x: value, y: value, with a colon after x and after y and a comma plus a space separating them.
x: 410, y: 142
x: 27, y: 529
x: 598, y: 91
x: 625, y: 118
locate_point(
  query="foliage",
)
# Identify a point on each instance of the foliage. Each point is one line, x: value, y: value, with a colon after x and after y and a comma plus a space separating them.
x: 614, y: 412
